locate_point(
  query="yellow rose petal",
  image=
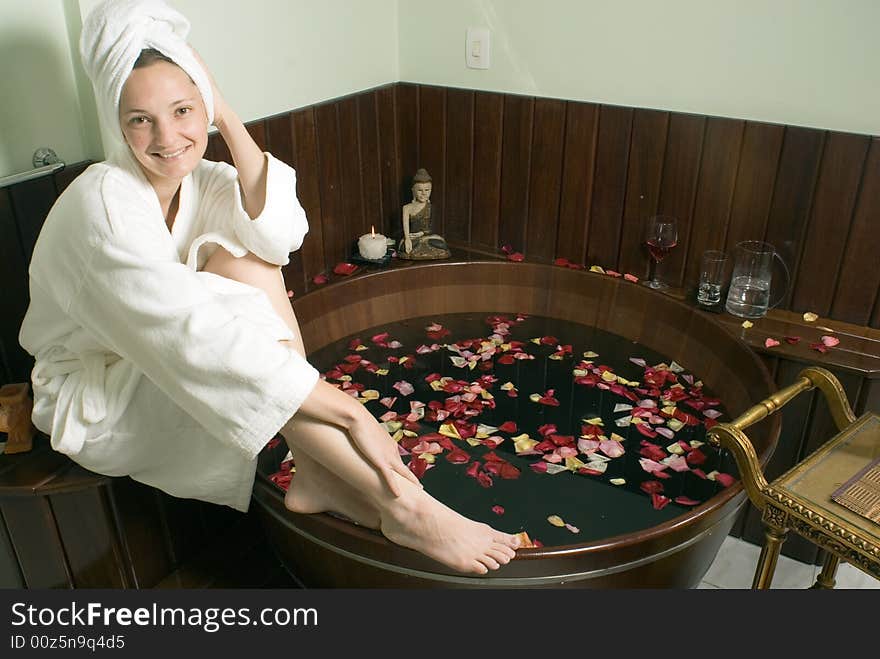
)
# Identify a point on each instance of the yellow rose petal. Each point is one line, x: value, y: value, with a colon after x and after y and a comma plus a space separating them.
x: 589, y: 354
x: 747, y: 324
x: 382, y: 371
x: 556, y: 520
x: 449, y: 430
x: 618, y: 481
x: 810, y: 317
x: 596, y: 268
x: 595, y: 421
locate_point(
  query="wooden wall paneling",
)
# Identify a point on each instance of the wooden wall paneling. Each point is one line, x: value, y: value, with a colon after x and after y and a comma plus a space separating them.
x: 371, y: 179
x: 31, y: 202
x: 140, y: 519
x: 309, y: 192
x: 644, y: 173
x: 91, y: 544
x: 14, y: 301
x: 35, y: 539
x: 609, y: 185
x: 257, y: 131
x: 840, y: 172
x: 460, y: 160
x: 718, y: 169
x: 678, y: 190
x: 334, y: 222
x: 408, y: 139
x: 869, y: 398
x: 432, y: 153
x: 218, y: 149
x: 516, y: 147
x: 393, y: 182
x: 279, y: 137
x: 10, y: 574
x: 186, y: 530
x: 545, y: 179
x: 581, y: 132
x: 859, y: 278
x: 756, y: 175
x: 486, y: 195
x: 793, y: 197
x: 356, y: 223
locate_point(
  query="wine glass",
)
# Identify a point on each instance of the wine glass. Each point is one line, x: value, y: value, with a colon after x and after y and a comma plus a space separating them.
x: 661, y: 235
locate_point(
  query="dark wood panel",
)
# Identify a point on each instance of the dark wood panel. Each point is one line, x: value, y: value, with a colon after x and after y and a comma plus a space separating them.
x: 356, y: 223
x: 488, y: 125
x: 334, y: 223
x: 143, y: 531
x: 859, y: 278
x: 35, y: 540
x: 678, y: 190
x: 406, y: 98
x: 279, y: 137
x: 257, y: 130
x: 14, y: 301
x: 793, y: 196
x: 432, y: 152
x: 609, y: 185
x: 218, y: 150
x: 839, y: 176
x: 10, y: 574
x: 308, y: 191
x: 371, y: 181
x: 64, y: 177
x: 650, y: 129
x: 460, y: 160
x: 31, y: 202
x: 581, y: 136
x: 393, y: 185
x: 91, y: 542
x: 516, y: 146
x: 758, y: 163
x: 718, y: 169
x: 545, y: 179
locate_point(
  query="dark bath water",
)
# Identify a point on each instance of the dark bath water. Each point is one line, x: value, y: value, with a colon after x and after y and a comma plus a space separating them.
x: 591, y: 503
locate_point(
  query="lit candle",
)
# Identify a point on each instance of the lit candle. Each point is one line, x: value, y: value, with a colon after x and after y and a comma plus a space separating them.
x: 372, y: 245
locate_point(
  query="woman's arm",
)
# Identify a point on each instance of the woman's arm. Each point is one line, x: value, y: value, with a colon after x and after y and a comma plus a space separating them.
x: 249, y: 160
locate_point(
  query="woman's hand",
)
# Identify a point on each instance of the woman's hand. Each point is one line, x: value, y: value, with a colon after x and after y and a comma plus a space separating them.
x: 220, y: 105
x: 380, y: 450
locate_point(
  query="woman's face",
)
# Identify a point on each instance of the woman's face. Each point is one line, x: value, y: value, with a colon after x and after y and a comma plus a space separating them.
x: 421, y: 192
x: 164, y: 122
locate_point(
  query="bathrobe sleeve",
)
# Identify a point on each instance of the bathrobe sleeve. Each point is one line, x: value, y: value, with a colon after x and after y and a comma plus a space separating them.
x: 277, y: 231
x: 203, y: 348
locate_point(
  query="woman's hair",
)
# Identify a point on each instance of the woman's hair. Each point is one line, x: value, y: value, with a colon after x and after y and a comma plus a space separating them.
x: 149, y: 56
x: 421, y: 176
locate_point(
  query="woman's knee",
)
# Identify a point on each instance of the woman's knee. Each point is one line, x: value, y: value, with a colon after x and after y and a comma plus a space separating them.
x: 248, y: 269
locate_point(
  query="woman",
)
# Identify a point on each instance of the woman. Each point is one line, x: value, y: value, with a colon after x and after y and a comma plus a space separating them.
x: 418, y: 242
x: 166, y: 348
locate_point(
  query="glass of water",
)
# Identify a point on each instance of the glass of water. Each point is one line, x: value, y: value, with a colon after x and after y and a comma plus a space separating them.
x: 713, y: 271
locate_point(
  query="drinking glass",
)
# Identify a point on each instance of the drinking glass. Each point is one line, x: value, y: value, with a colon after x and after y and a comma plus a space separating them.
x: 661, y: 235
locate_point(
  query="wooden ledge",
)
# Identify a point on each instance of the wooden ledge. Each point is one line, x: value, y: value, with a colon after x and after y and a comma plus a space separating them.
x: 858, y: 352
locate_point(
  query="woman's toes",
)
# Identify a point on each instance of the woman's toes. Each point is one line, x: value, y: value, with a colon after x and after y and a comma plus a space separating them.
x: 501, y: 557
x: 489, y: 562
x: 479, y: 568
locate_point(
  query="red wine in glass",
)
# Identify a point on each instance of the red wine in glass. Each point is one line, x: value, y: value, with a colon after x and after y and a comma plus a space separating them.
x: 661, y: 235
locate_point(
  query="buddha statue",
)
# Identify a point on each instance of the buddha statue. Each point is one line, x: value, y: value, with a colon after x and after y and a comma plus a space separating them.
x: 419, y: 243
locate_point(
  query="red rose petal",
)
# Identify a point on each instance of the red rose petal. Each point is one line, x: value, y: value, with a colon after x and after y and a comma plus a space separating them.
x: 770, y: 342
x: 819, y: 347
x: 498, y: 510
x: 418, y: 466
x: 659, y: 501
x: 472, y: 469
x: 458, y: 456
x: 539, y: 467
x: 651, y: 487
x: 792, y: 340
x: 484, y: 479
x: 726, y: 480
x: 516, y: 257
x: 686, y: 501
x: 509, y: 472
x: 320, y: 279
x: 345, y: 269
x: 508, y: 427
x: 830, y: 341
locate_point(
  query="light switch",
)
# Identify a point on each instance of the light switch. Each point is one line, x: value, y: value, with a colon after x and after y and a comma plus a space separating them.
x: 477, y: 48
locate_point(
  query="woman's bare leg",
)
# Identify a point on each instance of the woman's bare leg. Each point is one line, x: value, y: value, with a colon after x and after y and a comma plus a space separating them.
x: 415, y: 519
x: 337, y: 477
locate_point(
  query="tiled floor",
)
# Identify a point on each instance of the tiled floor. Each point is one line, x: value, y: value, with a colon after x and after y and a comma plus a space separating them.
x: 734, y: 568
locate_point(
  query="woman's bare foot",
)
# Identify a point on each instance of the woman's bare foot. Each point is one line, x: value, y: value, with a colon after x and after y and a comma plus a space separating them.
x: 419, y: 521
x: 314, y: 489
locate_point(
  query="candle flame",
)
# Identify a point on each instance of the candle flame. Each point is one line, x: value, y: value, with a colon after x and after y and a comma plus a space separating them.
x: 373, y: 231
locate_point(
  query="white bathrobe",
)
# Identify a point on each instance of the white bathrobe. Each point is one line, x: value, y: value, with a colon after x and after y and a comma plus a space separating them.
x: 146, y: 366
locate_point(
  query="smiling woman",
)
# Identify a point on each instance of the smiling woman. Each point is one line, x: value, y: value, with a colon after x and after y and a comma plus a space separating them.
x: 166, y: 347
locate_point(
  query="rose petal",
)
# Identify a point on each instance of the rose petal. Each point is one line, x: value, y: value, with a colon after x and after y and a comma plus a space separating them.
x: 498, y: 510
x: 792, y: 340
x: 556, y: 520
x: 320, y: 279
x: 770, y: 342
x: 685, y: 501
x: 516, y: 257
x: 747, y: 324
x: 830, y: 341
x: 810, y: 317
x: 345, y: 269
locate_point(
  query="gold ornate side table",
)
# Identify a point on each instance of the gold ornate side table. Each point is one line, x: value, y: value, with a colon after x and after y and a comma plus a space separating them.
x: 800, y: 499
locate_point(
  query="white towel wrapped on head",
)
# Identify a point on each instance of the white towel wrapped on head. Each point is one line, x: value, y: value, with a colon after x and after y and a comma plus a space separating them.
x: 113, y: 36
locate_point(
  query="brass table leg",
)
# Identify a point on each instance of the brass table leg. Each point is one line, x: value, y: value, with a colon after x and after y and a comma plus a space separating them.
x: 829, y: 570
x: 769, y: 555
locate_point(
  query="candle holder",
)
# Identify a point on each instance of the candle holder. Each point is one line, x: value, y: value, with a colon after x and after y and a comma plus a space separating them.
x: 371, y: 249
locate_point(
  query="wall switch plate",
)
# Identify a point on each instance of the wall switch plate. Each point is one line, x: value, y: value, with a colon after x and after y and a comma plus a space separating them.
x: 477, y: 48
